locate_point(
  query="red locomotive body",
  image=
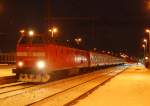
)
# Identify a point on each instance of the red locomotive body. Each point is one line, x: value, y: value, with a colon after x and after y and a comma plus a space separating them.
x: 56, y: 57
x: 61, y: 58
x: 37, y: 58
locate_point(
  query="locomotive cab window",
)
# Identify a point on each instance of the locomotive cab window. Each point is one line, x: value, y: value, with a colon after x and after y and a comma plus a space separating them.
x: 33, y: 40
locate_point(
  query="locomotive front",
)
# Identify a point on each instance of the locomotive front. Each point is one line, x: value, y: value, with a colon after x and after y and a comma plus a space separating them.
x: 31, y: 60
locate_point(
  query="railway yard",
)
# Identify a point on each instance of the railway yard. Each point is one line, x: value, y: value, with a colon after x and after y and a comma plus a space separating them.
x: 106, y: 86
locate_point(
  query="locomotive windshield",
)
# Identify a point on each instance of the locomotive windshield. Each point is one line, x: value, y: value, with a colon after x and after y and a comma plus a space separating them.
x: 31, y: 40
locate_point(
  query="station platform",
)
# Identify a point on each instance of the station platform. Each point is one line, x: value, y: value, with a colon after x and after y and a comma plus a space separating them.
x: 129, y: 88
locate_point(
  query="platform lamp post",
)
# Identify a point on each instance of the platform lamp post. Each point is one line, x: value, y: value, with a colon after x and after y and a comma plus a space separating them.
x: 148, y: 31
x: 144, y: 47
x: 78, y: 40
x: 53, y: 30
x: 148, y: 45
x: 31, y: 33
x: 145, y: 41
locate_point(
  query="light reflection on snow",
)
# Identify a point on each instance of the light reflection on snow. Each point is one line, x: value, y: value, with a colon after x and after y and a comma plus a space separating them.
x: 131, y: 88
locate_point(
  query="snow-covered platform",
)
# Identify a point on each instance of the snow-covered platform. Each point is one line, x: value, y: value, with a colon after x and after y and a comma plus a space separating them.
x: 130, y: 88
x: 6, y: 70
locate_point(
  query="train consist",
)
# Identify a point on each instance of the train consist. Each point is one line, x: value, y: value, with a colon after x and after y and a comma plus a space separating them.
x: 38, y: 58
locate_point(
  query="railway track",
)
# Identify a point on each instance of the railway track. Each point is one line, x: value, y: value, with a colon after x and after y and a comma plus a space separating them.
x: 8, y: 79
x: 31, y: 94
x: 71, y: 95
x: 6, y: 88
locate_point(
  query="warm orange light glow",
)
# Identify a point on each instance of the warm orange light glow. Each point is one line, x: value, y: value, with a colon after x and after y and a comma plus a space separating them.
x: 53, y: 30
x: 108, y: 52
x: 147, y: 5
x: 31, y: 33
x: 78, y: 40
x: 95, y: 49
x: 20, y: 63
x: 50, y: 30
x: 144, y: 40
x: 146, y: 58
x: 143, y: 46
x: 147, y: 30
x: 22, y: 31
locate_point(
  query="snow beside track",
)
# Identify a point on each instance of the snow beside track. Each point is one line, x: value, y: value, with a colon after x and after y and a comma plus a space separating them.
x: 6, y: 70
x: 39, y: 92
x: 131, y: 88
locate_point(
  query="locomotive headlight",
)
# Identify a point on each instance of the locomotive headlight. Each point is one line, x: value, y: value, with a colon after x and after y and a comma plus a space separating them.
x: 40, y: 64
x: 20, y: 63
x: 146, y: 58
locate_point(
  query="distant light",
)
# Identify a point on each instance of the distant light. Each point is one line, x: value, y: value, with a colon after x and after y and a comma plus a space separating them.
x: 108, y: 52
x: 50, y: 30
x: 78, y: 40
x: 147, y: 30
x: 146, y: 58
x: 54, y: 29
x: 31, y: 33
x: 95, y: 49
x: 145, y: 40
x: 22, y: 31
x: 143, y: 46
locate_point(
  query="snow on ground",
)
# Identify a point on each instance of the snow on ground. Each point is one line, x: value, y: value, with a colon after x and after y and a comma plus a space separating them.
x: 6, y: 70
x: 131, y: 88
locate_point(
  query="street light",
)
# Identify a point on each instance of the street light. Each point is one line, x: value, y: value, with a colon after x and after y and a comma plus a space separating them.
x: 78, y: 40
x: 145, y: 40
x: 148, y: 31
x: 53, y: 30
x: 143, y: 45
x: 31, y: 33
x: 22, y: 31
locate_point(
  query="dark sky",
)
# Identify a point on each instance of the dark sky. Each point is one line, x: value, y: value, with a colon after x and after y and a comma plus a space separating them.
x: 116, y: 25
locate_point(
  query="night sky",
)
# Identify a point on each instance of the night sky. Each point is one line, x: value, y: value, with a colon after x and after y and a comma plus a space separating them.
x: 116, y: 25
